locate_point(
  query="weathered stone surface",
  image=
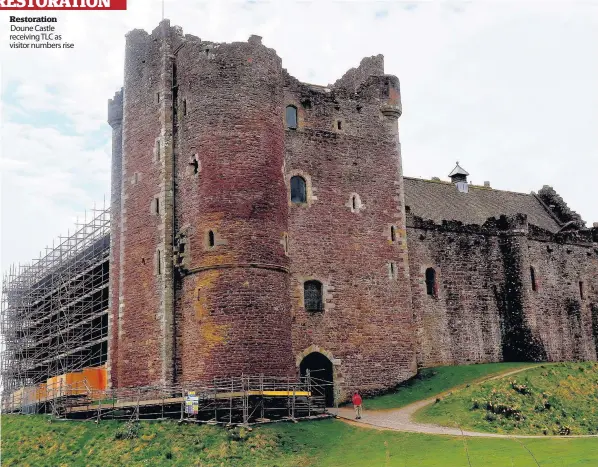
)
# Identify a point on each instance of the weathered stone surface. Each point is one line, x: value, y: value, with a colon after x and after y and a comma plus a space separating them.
x: 209, y: 254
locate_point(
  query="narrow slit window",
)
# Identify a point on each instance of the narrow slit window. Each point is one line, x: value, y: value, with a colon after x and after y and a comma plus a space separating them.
x: 298, y: 190
x: 285, y: 241
x: 211, y: 239
x: 184, y: 106
x: 312, y: 296
x: 198, y: 294
x: 339, y: 125
x: 291, y: 117
x: 157, y: 206
x: 159, y: 263
x: 532, y: 276
x: 392, y: 268
x: 194, y: 165
x: 581, y: 291
x: 354, y: 202
x: 431, y: 288
x: 393, y: 233
x: 157, y: 97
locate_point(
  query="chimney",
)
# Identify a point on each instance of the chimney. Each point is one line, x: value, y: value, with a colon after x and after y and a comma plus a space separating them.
x: 255, y: 40
x: 459, y: 178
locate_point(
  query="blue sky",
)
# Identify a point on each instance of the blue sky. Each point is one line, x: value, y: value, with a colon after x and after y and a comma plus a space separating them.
x: 507, y: 88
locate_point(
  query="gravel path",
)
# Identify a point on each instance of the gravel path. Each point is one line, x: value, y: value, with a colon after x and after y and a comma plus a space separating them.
x: 402, y: 419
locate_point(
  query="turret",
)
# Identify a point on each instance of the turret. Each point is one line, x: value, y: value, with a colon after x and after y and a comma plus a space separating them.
x: 233, y: 306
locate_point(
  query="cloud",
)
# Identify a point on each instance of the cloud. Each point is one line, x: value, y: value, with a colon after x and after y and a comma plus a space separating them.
x: 508, y: 89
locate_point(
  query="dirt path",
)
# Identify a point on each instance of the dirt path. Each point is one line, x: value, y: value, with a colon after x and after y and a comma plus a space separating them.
x: 402, y: 419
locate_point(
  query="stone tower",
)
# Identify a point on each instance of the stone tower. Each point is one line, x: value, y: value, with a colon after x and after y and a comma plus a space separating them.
x: 203, y: 278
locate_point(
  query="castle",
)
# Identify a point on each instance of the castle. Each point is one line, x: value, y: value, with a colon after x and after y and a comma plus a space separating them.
x: 263, y: 225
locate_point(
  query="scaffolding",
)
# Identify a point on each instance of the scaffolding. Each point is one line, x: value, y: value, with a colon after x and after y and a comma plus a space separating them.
x: 241, y: 400
x: 54, y: 311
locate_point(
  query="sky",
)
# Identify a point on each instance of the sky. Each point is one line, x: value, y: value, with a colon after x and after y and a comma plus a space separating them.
x: 508, y: 89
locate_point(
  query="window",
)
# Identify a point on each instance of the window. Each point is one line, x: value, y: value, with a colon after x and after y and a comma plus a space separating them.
x: 211, y: 239
x: 392, y: 270
x: 156, y: 206
x: 159, y: 263
x: 194, y: 163
x: 298, y: 190
x: 393, y: 233
x: 157, y: 149
x: 285, y: 243
x: 532, y: 276
x: 312, y: 296
x: 431, y: 282
x: 291, y: 117
x: 184, y: 106
x: 581, y: 291
x: 339, y: 125
x: 355, y: 203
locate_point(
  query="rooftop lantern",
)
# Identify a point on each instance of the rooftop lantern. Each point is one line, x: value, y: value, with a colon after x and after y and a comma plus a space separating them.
x: 459, y: 178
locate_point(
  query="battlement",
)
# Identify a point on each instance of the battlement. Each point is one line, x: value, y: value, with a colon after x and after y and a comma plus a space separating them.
x: 115, y: 109
x: 513, y: 225
x: 558, y: 208
x: 355, y: 77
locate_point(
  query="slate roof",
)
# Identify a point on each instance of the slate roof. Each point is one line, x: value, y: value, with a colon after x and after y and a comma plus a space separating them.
x: 458, y: 170
x: 438, y: 201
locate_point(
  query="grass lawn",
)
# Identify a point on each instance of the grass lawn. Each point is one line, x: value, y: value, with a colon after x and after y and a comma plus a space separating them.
x: 432, y: 381
x: 551, y: 399
x: 32, y: 441
x: 333, y: 443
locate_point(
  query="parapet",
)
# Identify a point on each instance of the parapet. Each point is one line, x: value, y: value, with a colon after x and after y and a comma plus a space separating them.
x: 115, y: 109
x: 510, y: 225
x: 355, y: 77
x: 559, y: 208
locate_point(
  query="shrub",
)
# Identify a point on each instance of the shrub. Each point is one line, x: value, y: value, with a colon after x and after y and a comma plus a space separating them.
x: 129, y: 430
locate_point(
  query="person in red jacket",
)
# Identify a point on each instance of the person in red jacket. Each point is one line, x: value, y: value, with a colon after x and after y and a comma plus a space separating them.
x: 357, y: 405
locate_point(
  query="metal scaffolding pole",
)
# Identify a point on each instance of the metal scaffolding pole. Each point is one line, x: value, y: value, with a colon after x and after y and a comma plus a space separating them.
x: 54, y: 311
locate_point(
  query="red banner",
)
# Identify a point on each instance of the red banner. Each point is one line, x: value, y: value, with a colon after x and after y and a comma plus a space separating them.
x: 63, y: 4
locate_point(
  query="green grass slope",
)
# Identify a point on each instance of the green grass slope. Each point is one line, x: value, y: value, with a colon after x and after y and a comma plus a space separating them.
x: 551, y: 399
x: 432, y: 381
x: 32, y: 441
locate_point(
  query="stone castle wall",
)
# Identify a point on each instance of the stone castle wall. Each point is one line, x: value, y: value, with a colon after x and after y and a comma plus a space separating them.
x: 233, y: 305
x: 209, y: 255
x: 486, y: 308
x: 346, y: 146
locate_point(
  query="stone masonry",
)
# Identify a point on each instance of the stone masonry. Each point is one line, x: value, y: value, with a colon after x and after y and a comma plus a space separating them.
x: 210, y: 255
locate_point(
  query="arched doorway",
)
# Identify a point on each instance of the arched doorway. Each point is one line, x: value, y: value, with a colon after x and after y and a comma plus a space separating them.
x: 320, y: 368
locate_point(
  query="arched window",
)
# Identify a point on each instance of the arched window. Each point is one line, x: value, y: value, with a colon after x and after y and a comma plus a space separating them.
x: 532, y: 276
x: 291, y: 117
x: 431, y: 282
x: 312, y: 296
x: 393, y: 233
x: 298, y: 190
x: 211, y: 239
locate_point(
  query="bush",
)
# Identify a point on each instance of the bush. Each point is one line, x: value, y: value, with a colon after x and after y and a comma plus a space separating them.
x: 129, y: 430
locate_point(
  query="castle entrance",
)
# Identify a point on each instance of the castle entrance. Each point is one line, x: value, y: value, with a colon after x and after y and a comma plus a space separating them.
x: 320, y: 369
